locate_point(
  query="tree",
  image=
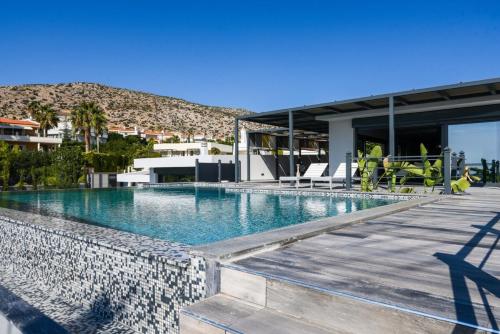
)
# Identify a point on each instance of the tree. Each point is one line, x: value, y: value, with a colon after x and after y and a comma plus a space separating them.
x: 46, y: 116
x: 33, y: 108
x: 67, y: 165
x: 214, y: 151
x: 5, y: 164
x: 173, y: 139
x: 84, y: 117
x: 190, y: 134
x: 99, y: 123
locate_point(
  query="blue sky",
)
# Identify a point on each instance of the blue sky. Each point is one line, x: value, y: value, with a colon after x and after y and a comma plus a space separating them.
x: 259, y: 55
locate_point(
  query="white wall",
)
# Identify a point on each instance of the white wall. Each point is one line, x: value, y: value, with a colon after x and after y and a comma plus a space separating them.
x: 186, y: 161
x: 341, y: 141
x: 137, y: 177
x: 179, y: 147
x: 258, y: 168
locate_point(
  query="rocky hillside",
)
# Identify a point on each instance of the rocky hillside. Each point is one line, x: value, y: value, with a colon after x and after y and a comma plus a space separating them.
x: 123, y: 107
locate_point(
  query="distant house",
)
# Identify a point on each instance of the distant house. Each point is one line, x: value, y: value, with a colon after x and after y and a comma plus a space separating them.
x: 199, y: 137
x: 192, y: 149
x: 64, y: 129
x: 156, y: 135
x: 24, y: 133
x: 124, y: 131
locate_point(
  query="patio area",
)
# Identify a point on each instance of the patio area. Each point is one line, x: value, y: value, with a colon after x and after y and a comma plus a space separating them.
x: 432, y: 268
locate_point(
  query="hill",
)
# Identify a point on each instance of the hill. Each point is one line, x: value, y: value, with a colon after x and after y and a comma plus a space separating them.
x: 124, y: 107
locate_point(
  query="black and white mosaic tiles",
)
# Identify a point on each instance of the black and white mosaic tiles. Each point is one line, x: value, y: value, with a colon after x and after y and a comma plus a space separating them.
x: 118, y: 278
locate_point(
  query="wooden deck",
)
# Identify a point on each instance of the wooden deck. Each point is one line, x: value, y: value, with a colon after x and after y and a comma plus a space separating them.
x: 440, y: 259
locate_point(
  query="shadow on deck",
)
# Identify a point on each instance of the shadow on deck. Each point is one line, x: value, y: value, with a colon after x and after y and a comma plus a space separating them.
x: 460, y: 270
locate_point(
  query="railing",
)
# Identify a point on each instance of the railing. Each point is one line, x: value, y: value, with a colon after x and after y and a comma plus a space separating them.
x: 31, y: 139
x: 430, y: 171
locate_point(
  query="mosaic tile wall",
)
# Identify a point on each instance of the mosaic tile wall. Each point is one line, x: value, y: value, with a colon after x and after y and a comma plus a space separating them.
x: 142, y: 286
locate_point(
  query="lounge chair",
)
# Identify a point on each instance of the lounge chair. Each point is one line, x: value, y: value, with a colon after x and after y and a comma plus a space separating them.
x: 338, y: 177
x: 314, y: 170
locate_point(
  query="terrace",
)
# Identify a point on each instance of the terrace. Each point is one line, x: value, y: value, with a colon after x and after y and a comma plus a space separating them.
x: 412, y: 270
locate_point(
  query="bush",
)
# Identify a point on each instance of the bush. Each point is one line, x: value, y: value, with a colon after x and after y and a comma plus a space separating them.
x: 104, y: 162
x: 214, y: 151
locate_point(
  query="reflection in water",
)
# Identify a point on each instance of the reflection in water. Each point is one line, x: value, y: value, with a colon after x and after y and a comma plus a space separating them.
x: 188, y: 215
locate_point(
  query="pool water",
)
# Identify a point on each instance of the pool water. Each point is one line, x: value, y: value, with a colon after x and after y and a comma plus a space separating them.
x: 188, y: 215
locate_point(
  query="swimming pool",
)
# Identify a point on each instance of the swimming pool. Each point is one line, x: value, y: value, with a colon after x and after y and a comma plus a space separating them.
x: 189, y: 215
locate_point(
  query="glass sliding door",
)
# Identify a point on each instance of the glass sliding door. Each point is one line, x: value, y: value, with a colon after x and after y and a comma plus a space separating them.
x: 477, y: 140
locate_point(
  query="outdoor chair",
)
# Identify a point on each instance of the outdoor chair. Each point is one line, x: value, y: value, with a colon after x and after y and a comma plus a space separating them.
x: 314, y: 170
x: 339, y: 176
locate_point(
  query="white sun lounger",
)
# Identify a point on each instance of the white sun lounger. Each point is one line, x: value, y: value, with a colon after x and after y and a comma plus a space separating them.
x: 314, y: 170
x: 338, y: 177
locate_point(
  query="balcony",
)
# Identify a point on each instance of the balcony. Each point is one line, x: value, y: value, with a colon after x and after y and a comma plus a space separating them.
x: 31, y: 139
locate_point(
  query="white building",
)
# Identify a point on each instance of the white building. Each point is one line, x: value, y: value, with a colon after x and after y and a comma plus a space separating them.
x: 192, y: 149
x: 182, y: 159
x: 25, y: 134
x: 64, y: 129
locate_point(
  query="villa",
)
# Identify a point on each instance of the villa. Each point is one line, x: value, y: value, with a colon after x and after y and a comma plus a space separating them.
x: 205, y: 240
x: 464, y: 117
x: 64, y: 129
x: 24, y: 134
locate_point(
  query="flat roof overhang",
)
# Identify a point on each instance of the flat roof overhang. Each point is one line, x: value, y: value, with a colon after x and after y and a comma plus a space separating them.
x: 315, y: 117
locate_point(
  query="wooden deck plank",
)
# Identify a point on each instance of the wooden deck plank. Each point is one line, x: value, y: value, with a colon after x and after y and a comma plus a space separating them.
x: 414, y: 258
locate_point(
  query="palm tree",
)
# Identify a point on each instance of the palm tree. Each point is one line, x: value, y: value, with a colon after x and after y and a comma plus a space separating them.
x: 84, y: 117
x: 99, y: 124
x: 47, y: 117
x: 34, y: 108
x: 190, y: 134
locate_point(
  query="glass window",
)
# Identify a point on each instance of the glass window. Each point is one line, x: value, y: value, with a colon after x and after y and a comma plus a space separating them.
x: 477, y: 140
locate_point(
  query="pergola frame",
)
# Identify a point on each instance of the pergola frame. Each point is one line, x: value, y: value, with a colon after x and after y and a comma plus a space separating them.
x: 316, y: 117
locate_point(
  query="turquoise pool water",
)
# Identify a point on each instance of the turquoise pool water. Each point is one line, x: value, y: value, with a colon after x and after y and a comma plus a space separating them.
x: 189, y: 215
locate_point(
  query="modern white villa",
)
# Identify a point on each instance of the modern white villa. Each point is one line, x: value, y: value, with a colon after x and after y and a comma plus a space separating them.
x: 212, y: 162
x: 463, y: 116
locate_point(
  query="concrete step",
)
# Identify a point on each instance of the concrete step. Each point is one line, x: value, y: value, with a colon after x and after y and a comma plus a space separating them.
x: 223, y: 314
x: 332, y: 310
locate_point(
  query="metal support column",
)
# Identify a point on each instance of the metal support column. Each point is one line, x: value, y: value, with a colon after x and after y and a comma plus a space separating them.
x: 392, y: 144
x: 276, y: 159
x: 447, y: 170
x: 248, y: 156
x: 290, y: 142
x: 196, y: 170
x: 219, y: 171
x: 348, y: 168
x: 236, y: 152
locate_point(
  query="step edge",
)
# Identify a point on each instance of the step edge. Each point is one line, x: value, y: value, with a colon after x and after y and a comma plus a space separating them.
x: 357, y: 298
x: 228, y: 327
x: 210, y: 322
